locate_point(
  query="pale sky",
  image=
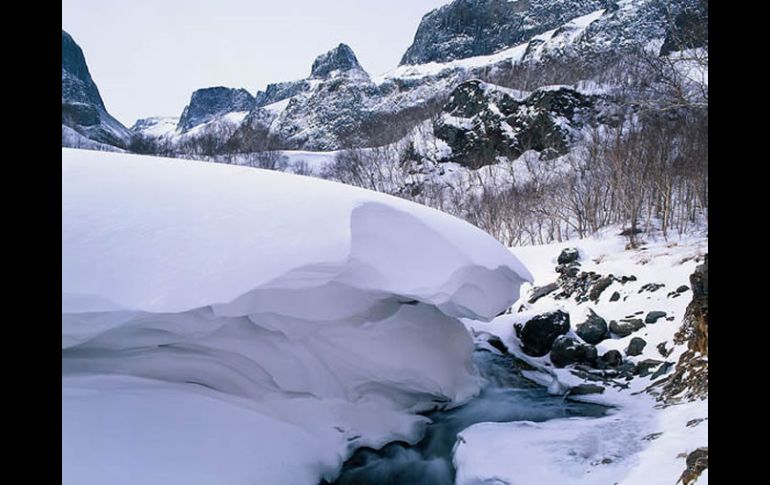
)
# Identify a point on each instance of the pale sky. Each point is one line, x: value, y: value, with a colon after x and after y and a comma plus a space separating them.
x: 148, y: 56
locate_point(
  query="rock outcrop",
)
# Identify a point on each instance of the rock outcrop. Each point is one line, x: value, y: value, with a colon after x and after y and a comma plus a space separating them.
x: 82, y: 108
x: 481, y: 122
x: 467, y: 28
x: 209, y: 103
x: 538, y: 334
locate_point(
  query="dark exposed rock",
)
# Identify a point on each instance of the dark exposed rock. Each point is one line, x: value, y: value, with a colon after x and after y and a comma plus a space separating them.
x: 467, y: 28
x: 209, y: 103
x: 682, y: 289
x: 542, y: 291
x: 571, y: 270
x: 695, y: 422
x: 615, y: 296
x: 653, y: 436
x: 625, y: 279
x: 481, y: 122
x: 567, y: 350
x: 495, y: 342
x: 82, y: 106
x: 340, y: 59
x: 77, y: 84
x: 696, y: 462
x: 626, y: 326
x: 599, y: 287
x: 645, y: 367
x: 276, y: 92
x: 568, y: 255
x: 612, y: 358
x: 662, y: 350
x: 583, y: 389
x: 539, y: 333
x: 690, y: 380
x: 654, y: 316
x: 636, y: 346
x: 689, y: 29
x: 662, y: 370
x: 651, y: 287
x: 594, y: 329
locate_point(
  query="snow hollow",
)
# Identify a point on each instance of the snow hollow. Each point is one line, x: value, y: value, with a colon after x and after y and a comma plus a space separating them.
x: 223, y: 324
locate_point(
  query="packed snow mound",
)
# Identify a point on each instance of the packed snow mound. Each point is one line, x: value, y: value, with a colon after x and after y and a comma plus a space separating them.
x: 289, y: 319
x: 163, y: 235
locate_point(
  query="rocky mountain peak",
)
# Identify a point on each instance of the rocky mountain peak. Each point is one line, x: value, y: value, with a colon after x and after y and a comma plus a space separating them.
x: 340, y: 59
x: 77, y: 85
x: 82, y: 108
x: 468, y: 28
x: 209, y: 103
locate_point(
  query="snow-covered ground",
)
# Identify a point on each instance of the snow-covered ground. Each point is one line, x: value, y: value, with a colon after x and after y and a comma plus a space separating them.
x: 223, y: 324
x: 639, y: 442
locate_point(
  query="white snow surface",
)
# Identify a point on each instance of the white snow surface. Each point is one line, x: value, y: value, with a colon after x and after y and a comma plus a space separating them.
x: 224, y: 324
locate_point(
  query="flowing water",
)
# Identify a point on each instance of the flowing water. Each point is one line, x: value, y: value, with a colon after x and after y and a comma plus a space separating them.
x: 507, y: 397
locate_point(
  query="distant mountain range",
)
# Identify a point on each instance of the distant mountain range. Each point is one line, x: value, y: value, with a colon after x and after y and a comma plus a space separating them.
x: 339, y: 105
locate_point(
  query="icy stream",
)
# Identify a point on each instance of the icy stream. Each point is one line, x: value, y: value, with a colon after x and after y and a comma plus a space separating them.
x: 506, y: 397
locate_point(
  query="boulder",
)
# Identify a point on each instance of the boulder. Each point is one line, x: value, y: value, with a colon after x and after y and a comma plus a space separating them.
x: 626, y: 326
x: 538, y: 334
x: 568, y: 255
x: 583, y: 389
x: 645, y: 367
x: 567, y: 350
x: 615, y: 296
x: 612, y: 358
x: 599, y: 287
x: 654, y: 316
x: 636, y: 346
x: 594, y: 329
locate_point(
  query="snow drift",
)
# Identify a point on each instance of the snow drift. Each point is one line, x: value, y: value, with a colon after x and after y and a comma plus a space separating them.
x: 231, y: 325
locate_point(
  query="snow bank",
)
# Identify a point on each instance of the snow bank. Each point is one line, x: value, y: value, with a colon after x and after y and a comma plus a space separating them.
x: 233, y: 325
x: 640, y: 442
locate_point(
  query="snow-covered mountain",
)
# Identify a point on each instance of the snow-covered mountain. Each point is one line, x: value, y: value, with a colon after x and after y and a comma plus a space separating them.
x: 82, y: 108
x: 470, y: 28
x: 339, y: 105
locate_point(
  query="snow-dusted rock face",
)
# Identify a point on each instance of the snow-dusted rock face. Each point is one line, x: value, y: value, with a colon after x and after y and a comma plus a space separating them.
x: 254, y: 325
x: 339, y: 61
x: 209, y: 103
x: 77, y: 85
x: 82, y: 107
x: 482, y: 121
x: 468, y: 28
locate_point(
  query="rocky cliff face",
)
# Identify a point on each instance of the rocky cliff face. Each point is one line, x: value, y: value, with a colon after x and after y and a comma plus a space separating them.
x: 481, y: 121
x: 340, y: 106
x: 467, y: 28
x: 209, y: 103
x: 76, y: 82
x: 83, y: 109
x: 690, y: 381
x: 339, y: 61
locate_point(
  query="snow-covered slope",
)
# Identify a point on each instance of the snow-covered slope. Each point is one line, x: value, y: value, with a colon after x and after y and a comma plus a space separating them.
x: 223, y: 324
x: 643, y: 440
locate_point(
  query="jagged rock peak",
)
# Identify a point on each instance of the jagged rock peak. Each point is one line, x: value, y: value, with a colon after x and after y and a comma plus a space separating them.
x: 209, y: 103
x: 77, y: 85
x: 467, y: 28
x: 341, y: 59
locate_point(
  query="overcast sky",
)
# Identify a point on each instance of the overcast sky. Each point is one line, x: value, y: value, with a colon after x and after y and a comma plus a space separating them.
x: 148, y: 56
